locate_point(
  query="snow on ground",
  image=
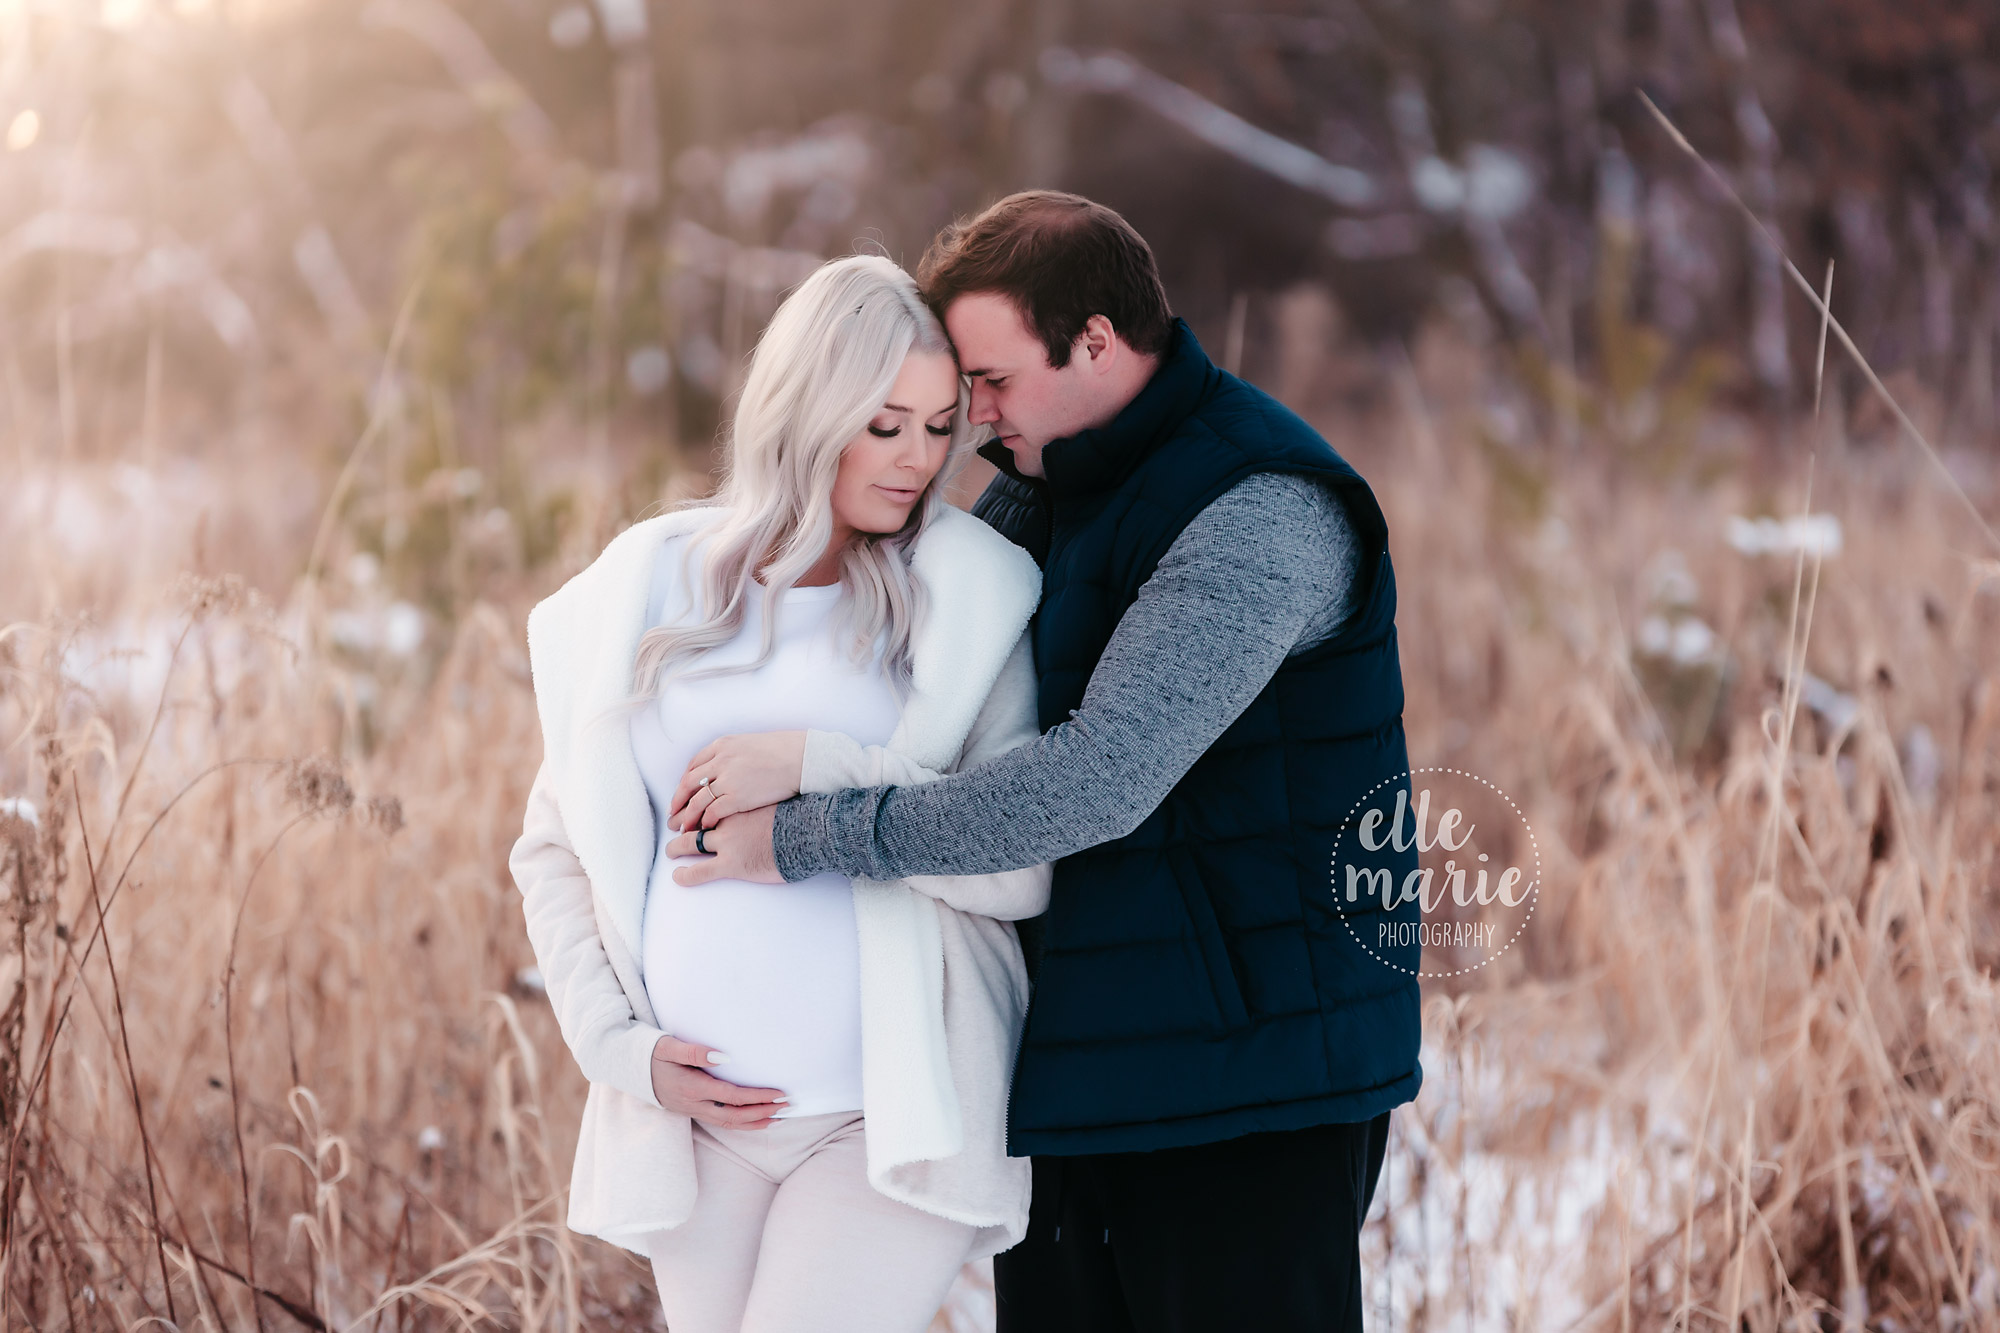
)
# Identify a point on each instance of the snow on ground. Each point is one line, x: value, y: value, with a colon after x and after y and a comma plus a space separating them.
x: 1474, y: 1237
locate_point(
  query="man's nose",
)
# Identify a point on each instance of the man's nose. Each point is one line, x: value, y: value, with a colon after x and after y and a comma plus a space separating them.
x: 984, y: 410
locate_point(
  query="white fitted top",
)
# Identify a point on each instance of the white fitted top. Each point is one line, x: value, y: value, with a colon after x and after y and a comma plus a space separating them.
x: 767, y: 973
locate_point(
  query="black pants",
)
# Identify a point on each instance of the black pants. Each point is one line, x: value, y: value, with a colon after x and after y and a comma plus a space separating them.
x: 1260, y: 1232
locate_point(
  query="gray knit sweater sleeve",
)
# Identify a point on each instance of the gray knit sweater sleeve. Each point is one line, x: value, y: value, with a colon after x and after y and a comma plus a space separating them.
x: 1263, y: 572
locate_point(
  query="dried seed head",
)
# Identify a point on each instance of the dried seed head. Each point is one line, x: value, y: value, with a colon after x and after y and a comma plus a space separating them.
x: 385, y: 813
x: 202, y: 595
x: 54, y: 859
x: 20, y: 860
x: 316, y: 786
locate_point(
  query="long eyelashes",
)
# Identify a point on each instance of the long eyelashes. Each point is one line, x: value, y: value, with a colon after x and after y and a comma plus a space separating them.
x: 940, y: 431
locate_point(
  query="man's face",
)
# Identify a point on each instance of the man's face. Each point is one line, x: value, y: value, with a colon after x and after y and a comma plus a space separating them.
x: 1027, y: 401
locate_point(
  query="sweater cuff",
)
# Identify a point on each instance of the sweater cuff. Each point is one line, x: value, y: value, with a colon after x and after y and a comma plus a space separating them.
x: 832, y: 761
x: 631, y: 1070
x: 801, y: 839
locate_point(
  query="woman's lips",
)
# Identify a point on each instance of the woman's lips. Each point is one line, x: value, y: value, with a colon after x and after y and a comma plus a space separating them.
x: 900, y: 494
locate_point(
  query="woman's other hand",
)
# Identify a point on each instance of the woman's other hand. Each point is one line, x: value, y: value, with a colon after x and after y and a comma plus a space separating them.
x: 682, y: 1084
x: 742, y: 773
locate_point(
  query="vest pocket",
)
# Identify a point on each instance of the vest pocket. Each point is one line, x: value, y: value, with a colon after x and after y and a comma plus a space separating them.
x: 1222, y: 983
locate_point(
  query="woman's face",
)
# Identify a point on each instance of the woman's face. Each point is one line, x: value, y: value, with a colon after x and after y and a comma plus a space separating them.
x: 886, y: 467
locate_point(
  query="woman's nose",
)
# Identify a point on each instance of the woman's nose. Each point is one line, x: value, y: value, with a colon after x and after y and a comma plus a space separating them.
x: 914, y: 456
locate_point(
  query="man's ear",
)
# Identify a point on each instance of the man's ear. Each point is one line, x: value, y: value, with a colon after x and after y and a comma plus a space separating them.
x: 1099, y: 340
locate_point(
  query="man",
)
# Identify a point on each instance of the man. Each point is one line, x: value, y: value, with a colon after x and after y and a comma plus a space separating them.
x: 1210, y: 1057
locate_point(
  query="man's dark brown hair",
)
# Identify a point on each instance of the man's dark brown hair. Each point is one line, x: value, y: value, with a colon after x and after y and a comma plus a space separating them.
x: 1060, y: 259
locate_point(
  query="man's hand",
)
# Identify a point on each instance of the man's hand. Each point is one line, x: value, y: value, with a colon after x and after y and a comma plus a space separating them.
x: 682, y: 1083
x: 739, y: 848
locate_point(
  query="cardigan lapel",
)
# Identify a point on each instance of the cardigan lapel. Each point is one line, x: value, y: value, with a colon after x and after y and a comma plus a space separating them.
x: 977, y: 602
x: 582, y: 641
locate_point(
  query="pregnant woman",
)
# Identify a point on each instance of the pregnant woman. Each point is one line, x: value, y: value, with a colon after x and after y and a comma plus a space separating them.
x: 797, y: 1092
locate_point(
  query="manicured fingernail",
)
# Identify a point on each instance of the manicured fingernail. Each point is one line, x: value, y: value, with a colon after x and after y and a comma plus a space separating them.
x: 782, y: 1101
x: 717, y: 1058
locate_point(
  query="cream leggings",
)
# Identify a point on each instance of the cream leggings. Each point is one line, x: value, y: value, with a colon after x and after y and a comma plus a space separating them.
x: 788, y: 1236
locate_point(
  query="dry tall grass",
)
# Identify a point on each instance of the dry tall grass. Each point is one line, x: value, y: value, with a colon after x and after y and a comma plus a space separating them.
x: 270, y: 1055
x: 1743, y: 1074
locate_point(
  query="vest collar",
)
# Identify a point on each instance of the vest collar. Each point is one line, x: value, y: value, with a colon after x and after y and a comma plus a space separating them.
x: 1096, y: 460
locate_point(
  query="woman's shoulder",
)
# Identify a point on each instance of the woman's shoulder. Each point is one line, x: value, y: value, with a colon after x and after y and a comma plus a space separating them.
x: 955, y: 543
x: 624, y: 566
x: 975, y: 576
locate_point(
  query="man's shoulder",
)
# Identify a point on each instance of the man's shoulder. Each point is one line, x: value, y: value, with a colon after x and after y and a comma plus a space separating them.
x: 1282, y: 516
x: 1270, y: 440
x: 1295, y: 494
x: 1252, y: 423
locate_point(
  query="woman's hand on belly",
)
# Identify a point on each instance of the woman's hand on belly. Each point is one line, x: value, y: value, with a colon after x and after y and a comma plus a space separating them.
x: 741, y: 773
x: 682, y: 1084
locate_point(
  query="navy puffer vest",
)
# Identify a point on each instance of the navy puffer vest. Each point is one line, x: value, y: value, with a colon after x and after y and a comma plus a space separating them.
x: 1195, y: 981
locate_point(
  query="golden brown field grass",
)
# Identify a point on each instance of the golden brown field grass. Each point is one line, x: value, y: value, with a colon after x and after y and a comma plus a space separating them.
x: 1743, y: 1073
x: 271, y: 1054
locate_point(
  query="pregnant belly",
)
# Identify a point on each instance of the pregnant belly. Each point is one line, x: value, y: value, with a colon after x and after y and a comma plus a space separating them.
x: 769, y: 974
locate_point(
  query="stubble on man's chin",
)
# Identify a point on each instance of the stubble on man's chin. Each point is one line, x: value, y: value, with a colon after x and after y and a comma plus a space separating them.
x: 1027, y: 460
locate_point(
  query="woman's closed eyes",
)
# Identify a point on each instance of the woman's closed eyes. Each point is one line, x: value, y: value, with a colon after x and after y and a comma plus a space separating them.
x: 891, y: 432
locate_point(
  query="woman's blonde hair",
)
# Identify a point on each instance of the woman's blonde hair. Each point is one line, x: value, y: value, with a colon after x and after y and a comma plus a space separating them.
x: 822, y: 369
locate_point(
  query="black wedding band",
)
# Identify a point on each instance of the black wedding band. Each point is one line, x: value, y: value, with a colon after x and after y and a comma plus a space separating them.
x: 699, y: 845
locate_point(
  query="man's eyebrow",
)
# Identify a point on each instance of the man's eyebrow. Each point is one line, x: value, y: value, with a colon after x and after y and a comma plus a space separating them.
x: 974, y: 374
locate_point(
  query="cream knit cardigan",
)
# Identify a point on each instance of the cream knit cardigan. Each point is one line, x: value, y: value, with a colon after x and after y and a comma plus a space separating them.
x: 943, y: 988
